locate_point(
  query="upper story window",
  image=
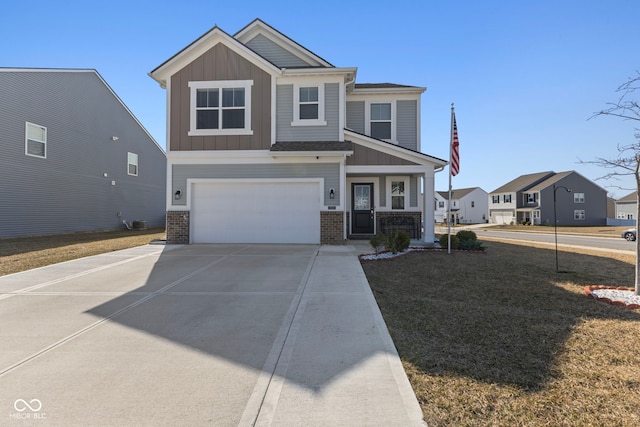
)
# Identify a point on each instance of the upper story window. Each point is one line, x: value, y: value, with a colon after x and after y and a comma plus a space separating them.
x: 507, y: 198
x: 380, y: 120
x: 531, y: 197
x: 132, y: 164
x: 441, y: 204
x: 495, y: 199
x: 578, y: 197
x: 308, y: 105
x: 35, y: 143
x: 220, y: 107
x: 473, y: 204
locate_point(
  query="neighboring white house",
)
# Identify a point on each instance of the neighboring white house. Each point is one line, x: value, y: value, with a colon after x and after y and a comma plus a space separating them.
x: 468, y: 206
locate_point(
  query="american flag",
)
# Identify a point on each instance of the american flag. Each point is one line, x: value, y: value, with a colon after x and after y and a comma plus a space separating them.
x: 454, y: 165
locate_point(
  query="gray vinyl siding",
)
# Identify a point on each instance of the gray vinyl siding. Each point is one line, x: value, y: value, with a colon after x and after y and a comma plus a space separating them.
x: 67, y: 191
x: 284, y: 116
x: 329, y: 171
x: 407, y: 125
x: 413, y: 191
x: 355, y: 116
x: 275, y: 54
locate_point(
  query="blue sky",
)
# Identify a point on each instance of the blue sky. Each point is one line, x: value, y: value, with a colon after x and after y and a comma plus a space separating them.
x: 524, y: 76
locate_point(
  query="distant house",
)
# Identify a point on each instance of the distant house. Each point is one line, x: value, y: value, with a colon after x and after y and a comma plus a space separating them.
x: 627, y: 207
x: 468, y: 206
x: 530, y: 199
x: 270, y: 143
x: 73, y: 157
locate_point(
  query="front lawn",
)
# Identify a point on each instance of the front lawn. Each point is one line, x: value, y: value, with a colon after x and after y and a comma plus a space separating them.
x: 500, y: 338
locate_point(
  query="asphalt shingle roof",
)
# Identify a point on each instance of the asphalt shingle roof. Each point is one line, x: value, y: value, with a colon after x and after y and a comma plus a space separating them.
x: 312, y: 146
x: 522, y: 182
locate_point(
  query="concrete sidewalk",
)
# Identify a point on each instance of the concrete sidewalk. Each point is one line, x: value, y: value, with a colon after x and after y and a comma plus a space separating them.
x: 338, y: 325
x: 200, y: 335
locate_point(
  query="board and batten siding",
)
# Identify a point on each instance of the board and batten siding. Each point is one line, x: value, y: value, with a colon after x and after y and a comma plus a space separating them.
x: 274, y: 53
x: 284, y: 116
x: 220, y: 63
x: 329, y: 171
x: 68, y: 191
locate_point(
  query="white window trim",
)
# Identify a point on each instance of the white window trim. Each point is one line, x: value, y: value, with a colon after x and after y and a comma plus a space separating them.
x: 578, y: 200
x: 137, y: 163
x: 407, y: 192
x: 320, y: 121
x: 583, y: 215
x: 367, y: 118
x: 220, y: 84
x: 26, y: 140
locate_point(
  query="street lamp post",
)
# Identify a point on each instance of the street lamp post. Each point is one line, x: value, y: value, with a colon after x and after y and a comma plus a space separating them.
x: 555, y: 219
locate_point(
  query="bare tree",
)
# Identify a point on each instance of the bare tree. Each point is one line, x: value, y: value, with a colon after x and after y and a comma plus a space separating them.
x: 628, y: 160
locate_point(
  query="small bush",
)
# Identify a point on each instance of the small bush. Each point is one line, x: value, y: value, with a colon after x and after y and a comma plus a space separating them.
x: 397, y: 241
x: 466, y: 235
x: 471, y: 245
x: 377, y: 242
x: 444, y: 241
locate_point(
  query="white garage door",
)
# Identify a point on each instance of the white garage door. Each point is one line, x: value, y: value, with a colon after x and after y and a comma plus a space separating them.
x: 255, y: 212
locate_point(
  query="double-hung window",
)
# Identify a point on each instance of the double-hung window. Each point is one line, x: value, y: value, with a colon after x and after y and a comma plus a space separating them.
x: 397, y: 188
x: 308, y: 105
x: 495, y: 199
x: 35, y: 143
x: 132, y: 164
x: 381, y: 120
x: 220, y: 107
x: 507, y: 198
x: 578, y: 215
x: 578, y: 197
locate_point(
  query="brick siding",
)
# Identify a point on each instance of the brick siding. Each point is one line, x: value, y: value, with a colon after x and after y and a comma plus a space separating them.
x: 332, y: 228
x: 178, y: 227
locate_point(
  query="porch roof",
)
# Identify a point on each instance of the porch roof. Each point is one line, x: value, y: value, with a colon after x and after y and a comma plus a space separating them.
x: 312, y: 146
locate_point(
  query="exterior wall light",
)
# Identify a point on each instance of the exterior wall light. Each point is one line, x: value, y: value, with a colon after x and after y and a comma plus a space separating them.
x: 177, y: 195
x: 332, y: 194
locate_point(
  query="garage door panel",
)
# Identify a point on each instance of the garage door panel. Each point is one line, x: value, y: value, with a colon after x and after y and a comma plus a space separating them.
x: 281, y: 212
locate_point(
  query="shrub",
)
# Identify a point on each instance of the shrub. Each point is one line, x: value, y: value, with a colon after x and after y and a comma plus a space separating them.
x: 397, y: 241
x: 471, y: 245
x: 444, y: 241
x: 466, y: 235
x: 377, y: 242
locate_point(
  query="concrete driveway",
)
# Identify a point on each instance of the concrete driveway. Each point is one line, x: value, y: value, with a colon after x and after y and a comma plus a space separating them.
x: 200, y: 335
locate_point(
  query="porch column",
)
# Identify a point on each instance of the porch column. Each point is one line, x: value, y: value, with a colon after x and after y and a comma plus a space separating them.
x: 428, y: 216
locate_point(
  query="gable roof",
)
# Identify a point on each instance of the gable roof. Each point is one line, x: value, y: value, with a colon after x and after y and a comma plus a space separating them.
x: 259, y: 27
x: 99, y: 77
x: 523, y: 182
x: 201, y: 45
x: 457, y: 194
x: 393, y: 149
x: 550, y: 181
x: 629, y: 198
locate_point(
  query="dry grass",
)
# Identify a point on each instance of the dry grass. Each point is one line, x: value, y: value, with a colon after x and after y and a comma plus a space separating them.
x: 600, y: 231
x: 24, y: 253
x: 501, y: 339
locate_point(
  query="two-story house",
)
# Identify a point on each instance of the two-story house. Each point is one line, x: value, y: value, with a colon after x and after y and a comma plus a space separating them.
x: 269, y: 142
x: 529, y: 199
x: 73, y: 157
x: 468, y: 206
x: 627, y: 207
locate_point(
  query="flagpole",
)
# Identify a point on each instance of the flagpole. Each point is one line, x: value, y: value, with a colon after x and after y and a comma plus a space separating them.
x: 449, y: 201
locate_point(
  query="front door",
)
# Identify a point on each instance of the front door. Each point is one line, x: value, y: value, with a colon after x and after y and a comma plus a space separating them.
x: 362, y: 209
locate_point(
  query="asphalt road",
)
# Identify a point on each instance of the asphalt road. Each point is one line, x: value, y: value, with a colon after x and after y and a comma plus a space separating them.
x: 563, y: 239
